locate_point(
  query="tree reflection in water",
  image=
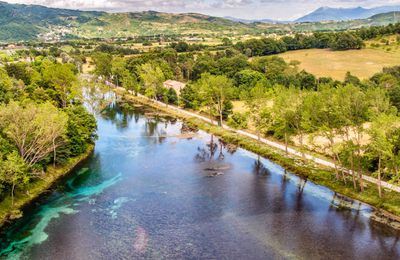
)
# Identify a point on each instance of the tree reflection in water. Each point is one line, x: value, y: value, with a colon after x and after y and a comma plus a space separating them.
x: 118, y: 114
x: 259, y: 168
x: 207, y: 154
x: 153, y: 133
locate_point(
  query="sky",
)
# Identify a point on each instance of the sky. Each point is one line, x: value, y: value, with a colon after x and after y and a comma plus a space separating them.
x: 247, y: 9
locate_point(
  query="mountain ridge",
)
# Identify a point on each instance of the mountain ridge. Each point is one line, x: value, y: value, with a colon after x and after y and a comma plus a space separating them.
x: 326, y: 13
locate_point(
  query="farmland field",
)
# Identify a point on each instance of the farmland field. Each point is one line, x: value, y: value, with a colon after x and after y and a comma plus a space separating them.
x: 361, y: 63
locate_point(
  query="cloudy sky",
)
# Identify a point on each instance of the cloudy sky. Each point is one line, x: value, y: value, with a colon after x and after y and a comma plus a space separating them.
x: 251, y: 9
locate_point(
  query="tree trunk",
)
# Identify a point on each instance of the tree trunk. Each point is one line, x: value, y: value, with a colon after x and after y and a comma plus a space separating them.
x: 331, y: 142
x: 286, y: 143
x: 301, y: 146
x: 12, y: 193
x: 220, y: 113
x: 54, y: 153
x: 360, y: 171
x: 210, y: 111
x: 220, y: 118
x: 340, y: 163
x: 379, y: 178
x: 336, y: 168
x: 352, y: 171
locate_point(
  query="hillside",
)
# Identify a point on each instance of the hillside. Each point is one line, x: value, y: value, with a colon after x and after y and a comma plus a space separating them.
x: 344, y: 14
x: 23, y: 22
x: 30, y: 22
x: 26, y: 22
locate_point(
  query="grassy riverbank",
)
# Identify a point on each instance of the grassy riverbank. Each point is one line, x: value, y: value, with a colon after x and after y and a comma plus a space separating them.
x: 389, y: 204
x: 38, y: 187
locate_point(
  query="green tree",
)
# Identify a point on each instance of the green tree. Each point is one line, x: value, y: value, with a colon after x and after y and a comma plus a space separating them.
x: 36, y: 130
x: 62, y: 78
x: 81, y: 130
x: 326, y: 119
x: 118, y: 70
x: 259, y: 101
x: 130, y: 82
x: 215, y: 91
x: 172, y: 97
x: 13, y: 172
x: 102, y: 62
x: 152, y: 78
x: 288, y: 113
x: 5, y: 86
x: 382, y: 144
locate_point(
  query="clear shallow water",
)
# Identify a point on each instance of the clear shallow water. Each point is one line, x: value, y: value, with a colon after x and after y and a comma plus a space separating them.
x: 147, y: 194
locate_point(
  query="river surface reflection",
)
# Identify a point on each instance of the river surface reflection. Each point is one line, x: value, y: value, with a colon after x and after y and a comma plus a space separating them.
x: 149, y: 192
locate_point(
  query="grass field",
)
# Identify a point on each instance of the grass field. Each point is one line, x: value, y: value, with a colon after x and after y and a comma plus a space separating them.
x: 361, y: 63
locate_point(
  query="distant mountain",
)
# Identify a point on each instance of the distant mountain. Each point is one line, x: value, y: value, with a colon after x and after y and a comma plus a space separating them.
x: 344, y: 14
x: 391, y: 17
x: 248, y: 21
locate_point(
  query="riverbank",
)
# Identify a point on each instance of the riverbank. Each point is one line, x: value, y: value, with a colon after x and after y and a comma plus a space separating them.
x: 387, y: 208
x: 37, y: 188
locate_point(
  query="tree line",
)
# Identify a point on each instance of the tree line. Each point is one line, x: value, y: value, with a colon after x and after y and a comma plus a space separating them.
x: 322, y: 40
x: 42, y: 120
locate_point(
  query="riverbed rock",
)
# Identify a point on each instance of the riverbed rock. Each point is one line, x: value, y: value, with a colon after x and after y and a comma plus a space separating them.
x: 215, y: 174
x: 218, y: 168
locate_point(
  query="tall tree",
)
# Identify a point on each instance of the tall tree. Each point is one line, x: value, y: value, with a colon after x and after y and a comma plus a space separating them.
x: 382, y: 144
x: 36, y: 130
x: 102, y: 62
x: 259, y: 101
x: 118, y: 70
x: 215, y: 91
x: 153, y: 78
x: 13, y: 172
x: 287, y: 113
x: 5, y: 86
x: 327, y: 120
x: 62, y: 78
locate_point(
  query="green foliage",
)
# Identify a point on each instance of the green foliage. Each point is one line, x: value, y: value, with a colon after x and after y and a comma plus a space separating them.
x: 102, y: 62
x: 62, y: 79
x: 13, y: 172
x: 40, y: 121
x: 81, y: 130
x: 172, y: 97
x: 35, y: 130
x: 5, y: 86
x: 190, y: 97
x: 152, y: 77
x: 238, y: 120
x: 216, y: 92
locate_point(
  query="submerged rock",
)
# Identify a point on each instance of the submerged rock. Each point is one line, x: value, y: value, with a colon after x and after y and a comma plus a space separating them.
x: 215, y: 174
x: 386, y: 218
x: 218, y: 168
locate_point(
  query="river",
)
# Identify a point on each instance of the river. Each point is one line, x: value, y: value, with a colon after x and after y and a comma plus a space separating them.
x: 151, y: 192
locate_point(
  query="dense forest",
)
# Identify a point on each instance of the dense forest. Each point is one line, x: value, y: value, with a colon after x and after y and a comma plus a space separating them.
x: 42, y: 120
x: 357, y: 119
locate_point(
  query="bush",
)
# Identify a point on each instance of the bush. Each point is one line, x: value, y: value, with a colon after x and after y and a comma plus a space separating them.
x: 238, y: 120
